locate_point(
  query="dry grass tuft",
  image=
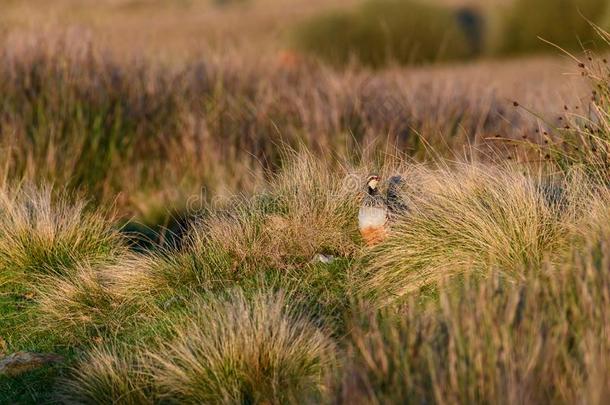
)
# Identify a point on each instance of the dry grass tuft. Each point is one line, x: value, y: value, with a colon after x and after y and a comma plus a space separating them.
x: 108, y: 375
x: 46, y: 235
x: 86, y: 303
x: 238, y: 349
x: 303, y: 211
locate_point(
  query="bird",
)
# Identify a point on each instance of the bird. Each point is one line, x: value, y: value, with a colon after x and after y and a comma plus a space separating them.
x: 378, y: 212
x: 373, y: 213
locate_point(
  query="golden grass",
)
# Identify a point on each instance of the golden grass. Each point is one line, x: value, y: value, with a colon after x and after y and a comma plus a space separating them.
x: 108, y: 375
x: 240, y: 349
x: 542, y: 339
x: 86, y: 304
x: 160, y: 134
x: 303, y: 211
x: 46, y: 235
x: 473, y: 218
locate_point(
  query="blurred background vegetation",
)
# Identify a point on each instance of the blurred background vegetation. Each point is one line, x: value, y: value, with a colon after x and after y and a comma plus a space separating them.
x: 412, y: 31
x: 566, y: 23
x: 372, y: 32
x: 384, y: 30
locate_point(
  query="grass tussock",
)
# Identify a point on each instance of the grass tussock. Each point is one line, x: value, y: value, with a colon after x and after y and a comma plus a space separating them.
x: 303, y: 211
x: 542, y: 339
x: 86, y: 303
x: 43, y: 235
x: 108, y: 375
x: 275, y: 355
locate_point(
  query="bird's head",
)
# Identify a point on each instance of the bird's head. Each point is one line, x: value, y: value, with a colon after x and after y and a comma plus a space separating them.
x: 372, y: 182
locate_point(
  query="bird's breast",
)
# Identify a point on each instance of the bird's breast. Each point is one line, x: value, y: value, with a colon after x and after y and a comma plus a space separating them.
x: 372, y: 217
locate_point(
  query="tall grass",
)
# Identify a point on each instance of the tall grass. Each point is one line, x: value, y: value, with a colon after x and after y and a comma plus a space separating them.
x: 543, y: 339
x: 472, y: 218
x: 204, y: 324
x: 146, y: 136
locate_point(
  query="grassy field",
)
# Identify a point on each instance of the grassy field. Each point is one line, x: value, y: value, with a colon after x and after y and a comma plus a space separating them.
x: 179, y: 219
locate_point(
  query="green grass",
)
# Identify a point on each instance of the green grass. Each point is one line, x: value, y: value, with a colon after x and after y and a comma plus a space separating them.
x: 16, y: 329
x: 42, y: 234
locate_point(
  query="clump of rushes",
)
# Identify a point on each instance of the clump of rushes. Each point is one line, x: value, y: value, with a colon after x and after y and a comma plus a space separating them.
x: 543, y: 340
x: 467, y: 218
x: 244, y: 350
x: 108, y: 375
x: 44, y: 235
x: 581, y: 135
